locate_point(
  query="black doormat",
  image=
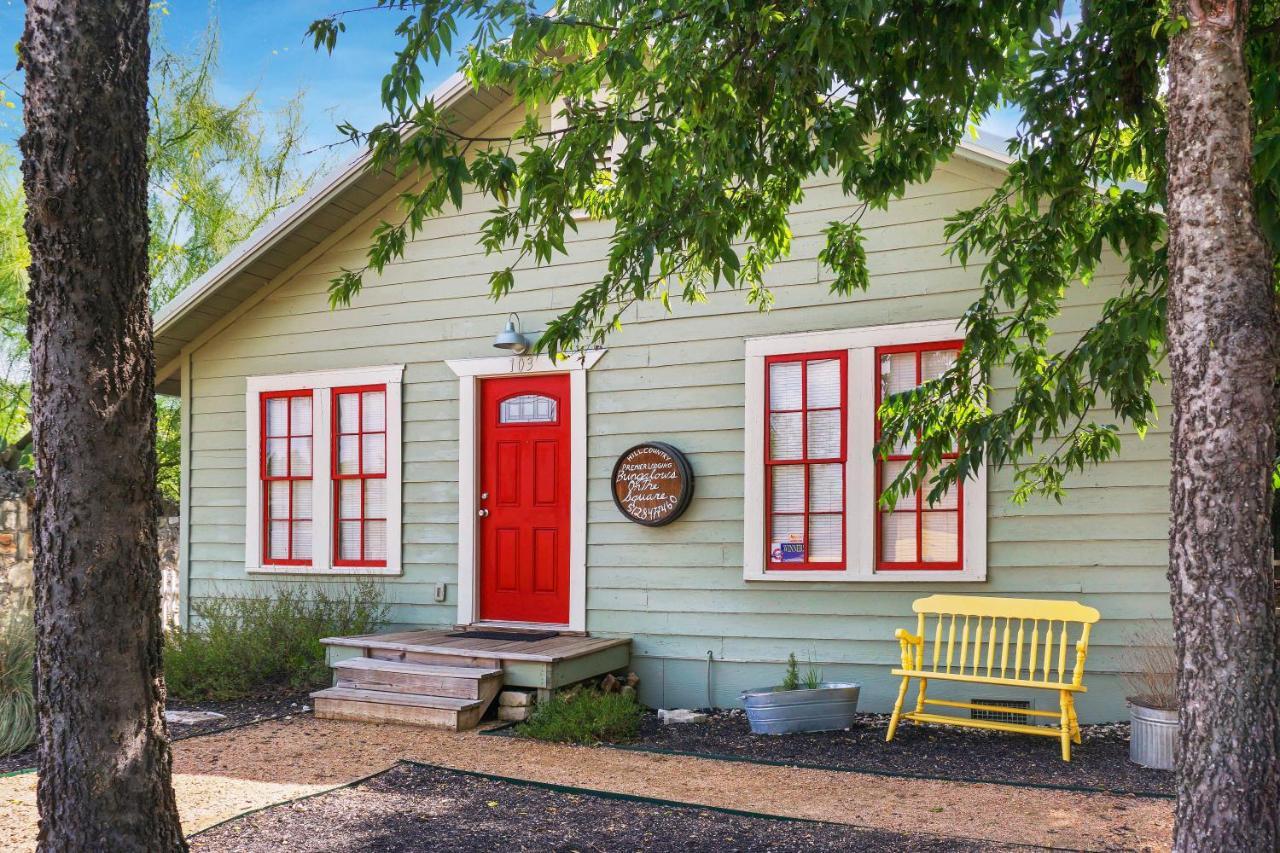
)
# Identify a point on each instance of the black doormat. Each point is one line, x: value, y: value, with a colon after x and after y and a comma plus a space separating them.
x: 521, y: 636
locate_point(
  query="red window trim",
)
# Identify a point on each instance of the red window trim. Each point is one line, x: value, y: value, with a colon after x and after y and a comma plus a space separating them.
x: 921, y: 506
x: 265, y: 479
x: 335, y: 434
x: 842, y: 356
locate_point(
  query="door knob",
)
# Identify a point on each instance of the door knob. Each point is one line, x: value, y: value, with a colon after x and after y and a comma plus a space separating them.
x: 484, y: 513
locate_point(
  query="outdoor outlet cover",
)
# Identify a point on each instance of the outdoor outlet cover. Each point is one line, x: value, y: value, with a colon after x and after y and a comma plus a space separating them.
x: 441, y: 591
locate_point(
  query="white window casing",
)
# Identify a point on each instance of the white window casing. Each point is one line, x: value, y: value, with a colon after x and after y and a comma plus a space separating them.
x: 321, y: 383
x: 860, y: 470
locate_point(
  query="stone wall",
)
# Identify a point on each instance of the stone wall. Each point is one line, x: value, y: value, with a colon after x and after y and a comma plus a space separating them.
x: 16, y: 563
x: 15, y: 536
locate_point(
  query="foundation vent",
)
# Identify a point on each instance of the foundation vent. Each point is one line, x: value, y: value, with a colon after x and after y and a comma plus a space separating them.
x: 1002, y: 715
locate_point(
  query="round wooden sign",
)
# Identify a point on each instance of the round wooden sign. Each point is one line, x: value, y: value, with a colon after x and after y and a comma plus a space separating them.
x: 652, y: 483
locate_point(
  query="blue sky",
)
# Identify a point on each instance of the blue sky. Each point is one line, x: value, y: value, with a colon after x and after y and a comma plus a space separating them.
x: 263, y: 49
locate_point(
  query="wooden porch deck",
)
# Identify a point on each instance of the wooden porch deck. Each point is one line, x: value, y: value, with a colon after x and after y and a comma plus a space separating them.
x: 540, y: 664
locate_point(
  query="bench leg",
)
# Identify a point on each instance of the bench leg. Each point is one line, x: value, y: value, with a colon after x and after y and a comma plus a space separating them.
x: 924, y: 685
x: 897, y: 708
x: 1065, y: 703
x: 1075, y: 721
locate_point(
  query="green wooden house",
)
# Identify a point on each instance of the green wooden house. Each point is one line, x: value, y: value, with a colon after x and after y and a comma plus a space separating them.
x: 392, y: 439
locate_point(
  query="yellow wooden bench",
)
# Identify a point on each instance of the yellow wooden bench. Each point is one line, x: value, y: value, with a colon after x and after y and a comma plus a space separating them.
x: 1008, y: 642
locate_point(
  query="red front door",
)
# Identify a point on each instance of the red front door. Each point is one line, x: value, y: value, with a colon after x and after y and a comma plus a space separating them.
x: 524, y: 499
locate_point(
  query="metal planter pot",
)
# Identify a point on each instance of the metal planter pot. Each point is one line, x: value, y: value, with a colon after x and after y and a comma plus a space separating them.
x: 1153, y: 736
x: 828, y: 707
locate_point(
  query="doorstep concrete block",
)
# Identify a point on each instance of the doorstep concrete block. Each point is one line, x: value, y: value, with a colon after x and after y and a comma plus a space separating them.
x: 515, y: 699
x: 508, y: 714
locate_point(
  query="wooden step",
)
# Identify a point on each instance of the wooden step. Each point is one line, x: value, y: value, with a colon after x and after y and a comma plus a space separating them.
x: 380, y: 706
x: 461, y: 682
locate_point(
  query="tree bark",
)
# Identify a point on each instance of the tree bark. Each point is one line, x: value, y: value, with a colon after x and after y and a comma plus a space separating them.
x: 1223, y: 361
x: 104, y: 759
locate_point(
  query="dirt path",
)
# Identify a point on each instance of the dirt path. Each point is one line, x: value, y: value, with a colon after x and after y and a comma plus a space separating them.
x: 221, y: 775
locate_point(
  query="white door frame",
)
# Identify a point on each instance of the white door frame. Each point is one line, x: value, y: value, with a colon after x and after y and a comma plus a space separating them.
x: 469, y: 371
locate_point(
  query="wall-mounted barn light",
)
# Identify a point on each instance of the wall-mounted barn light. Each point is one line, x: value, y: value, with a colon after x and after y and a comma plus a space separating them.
x: 511, y: 338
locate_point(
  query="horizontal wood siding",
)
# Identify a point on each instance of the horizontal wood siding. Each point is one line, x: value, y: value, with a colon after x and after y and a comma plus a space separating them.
x: 679, y: 378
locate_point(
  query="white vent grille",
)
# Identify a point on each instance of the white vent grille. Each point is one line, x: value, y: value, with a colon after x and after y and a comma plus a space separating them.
x: 1001, y: 716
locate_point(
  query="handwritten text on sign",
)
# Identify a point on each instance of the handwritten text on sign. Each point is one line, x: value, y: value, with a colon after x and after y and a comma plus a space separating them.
x: 652, y: 483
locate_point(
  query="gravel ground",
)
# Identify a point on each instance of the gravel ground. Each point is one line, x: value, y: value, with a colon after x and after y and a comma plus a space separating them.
x: 238, y: 712
x: 412, y: 807
x: 1100, y: 763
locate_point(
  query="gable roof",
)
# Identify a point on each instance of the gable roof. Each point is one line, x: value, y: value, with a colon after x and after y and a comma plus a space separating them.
x: 336, y: 201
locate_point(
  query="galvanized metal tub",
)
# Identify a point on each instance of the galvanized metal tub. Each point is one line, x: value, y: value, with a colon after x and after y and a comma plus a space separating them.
x: 828, y: 707
x: 1153, y: 736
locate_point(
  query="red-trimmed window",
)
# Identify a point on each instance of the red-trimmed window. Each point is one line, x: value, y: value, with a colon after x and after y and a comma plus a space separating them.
x: 285, y: 465
x: 916, y: 535
x: 360, y: 476
x: 806, y: 401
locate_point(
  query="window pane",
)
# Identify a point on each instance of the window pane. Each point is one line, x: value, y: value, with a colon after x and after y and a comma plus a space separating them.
x: 786, y: 539
x: 897, y: 373
x: 824, y: 384
x: 375, y: 411
x: 300, y: 457
x: 788, y: 488
x: 946, y: 501
x: 301, y: 497
x: 300, y: 415
x: 375, y: 540
x: 941, y: 537
x: 375, y: 453
x: 348, y: 498
x: 784, y: 386
x: 898, y: 537
x: 348, y: 454
x: 889, y: 471
x: 349, y: 540
x: 375, y: 498
x: 348, y: 413
x: 935, y: 363
x: 824, y: 434
x: 277, y: 463
x: 825, y: 538
x: 826, y: 488
x: 302, y: 540
x: 278, y: 547
x: 527, y: 409
x: 278, y: 499
x: 785, y: 436
x: 277, y: 420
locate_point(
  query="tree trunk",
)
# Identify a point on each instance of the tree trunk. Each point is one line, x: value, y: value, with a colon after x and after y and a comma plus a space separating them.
x: 1223, y: 360
x: 104, y: 761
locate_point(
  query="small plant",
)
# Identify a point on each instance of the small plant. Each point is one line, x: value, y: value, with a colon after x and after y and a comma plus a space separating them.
x: 1154, y: 683
x: 791, y: 681
x: 17, y: 681
x: 584, y: 717
x: 267, y: 642
x: 813, y: 676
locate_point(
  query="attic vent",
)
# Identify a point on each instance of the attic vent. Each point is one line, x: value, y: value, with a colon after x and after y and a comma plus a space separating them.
x: 1001, y: 716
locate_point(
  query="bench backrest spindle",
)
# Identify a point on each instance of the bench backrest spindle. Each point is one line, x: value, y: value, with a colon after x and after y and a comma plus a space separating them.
x: 1022, y: 639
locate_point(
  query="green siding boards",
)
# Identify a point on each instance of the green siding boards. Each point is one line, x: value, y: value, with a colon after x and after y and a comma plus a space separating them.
x: 677, y: 590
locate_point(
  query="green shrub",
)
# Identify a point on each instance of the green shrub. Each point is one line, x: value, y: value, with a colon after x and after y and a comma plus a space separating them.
x: 267, y: 642
x: 584, y: 716
x: 17, y: 679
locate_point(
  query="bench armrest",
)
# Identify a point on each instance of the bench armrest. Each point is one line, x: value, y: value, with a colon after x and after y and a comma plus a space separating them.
x: 912, y: 648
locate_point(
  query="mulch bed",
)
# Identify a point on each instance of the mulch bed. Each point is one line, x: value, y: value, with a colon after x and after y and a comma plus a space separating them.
x: 1100, y: 763
x: 238, y: 712
x: 415, y: 807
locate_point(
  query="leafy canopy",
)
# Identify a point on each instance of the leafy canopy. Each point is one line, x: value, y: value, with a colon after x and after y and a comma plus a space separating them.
x: 712, y: 116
